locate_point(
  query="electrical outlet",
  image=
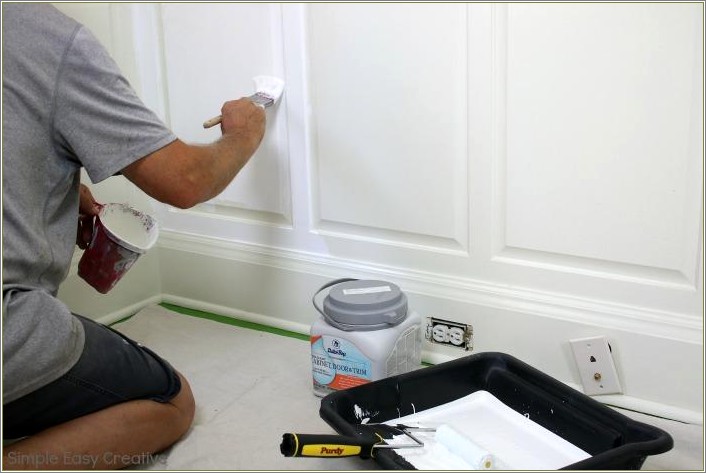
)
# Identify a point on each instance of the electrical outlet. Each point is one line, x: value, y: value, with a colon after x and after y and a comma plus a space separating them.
x: 446, y: 332
x: 596, y: 366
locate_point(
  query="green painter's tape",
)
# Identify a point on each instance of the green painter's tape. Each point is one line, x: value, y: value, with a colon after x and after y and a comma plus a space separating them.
x: 232, y: 321
x: 124, y: 319
x: 235, y: 322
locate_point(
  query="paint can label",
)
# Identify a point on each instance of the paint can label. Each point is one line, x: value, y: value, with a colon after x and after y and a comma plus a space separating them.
x: 337, y: 364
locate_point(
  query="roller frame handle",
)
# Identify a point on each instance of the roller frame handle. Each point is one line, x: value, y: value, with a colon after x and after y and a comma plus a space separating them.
x: 326, y: 446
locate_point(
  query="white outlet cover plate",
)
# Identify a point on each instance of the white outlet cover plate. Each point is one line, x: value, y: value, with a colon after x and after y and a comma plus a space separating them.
x: 592, y: 356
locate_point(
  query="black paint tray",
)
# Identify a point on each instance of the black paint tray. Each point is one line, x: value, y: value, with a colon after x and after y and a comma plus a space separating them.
x: 614, y: 441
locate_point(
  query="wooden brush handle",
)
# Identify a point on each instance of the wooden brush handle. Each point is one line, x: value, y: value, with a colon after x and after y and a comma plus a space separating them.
x: 259, y: 99
x: 212, y: 122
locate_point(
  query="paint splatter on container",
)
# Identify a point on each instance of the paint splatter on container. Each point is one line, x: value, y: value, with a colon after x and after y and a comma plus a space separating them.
x: 120, y: 236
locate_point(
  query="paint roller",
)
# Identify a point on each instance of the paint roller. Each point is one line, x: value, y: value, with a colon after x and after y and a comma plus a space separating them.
x: 268, y: 90
x: 330, y: 446
x: 461, y: 446
x: 370, y: 437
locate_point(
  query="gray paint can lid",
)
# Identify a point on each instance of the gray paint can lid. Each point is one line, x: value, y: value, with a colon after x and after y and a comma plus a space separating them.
x: 365, y: 305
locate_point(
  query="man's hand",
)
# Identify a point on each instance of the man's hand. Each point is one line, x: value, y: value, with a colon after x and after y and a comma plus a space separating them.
x: 246, y: 120
x: 88, y: 210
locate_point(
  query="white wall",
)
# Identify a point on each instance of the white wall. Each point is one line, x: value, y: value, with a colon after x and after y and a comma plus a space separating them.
x: 534, y: 170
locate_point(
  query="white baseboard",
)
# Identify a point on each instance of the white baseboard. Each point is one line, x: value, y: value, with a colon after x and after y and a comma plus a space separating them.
x: 621, y: 401
x: 659, y: 357
x: 132, y: 309
x: 565, y: 307
x: 235, y: 313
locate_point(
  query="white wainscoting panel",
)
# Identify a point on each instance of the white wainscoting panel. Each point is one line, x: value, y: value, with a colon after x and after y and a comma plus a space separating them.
x: 600, y: 133
x: 388, y: 92
x: 548, y: 150
x: 211, y: 55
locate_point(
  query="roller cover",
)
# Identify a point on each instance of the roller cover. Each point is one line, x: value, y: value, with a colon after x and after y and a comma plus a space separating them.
x: 476, y: 457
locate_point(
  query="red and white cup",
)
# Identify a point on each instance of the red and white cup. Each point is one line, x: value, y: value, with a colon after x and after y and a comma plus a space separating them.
x: 121, y: 235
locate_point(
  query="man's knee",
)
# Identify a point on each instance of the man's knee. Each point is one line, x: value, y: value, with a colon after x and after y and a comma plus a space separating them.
x: 185, y: 404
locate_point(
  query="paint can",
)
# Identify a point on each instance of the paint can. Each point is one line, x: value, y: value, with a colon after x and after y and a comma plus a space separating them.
x: 364, y: 333
x: 120, y: 236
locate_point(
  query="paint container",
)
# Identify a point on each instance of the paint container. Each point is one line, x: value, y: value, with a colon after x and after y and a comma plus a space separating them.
x: 120, y: 236
x: 365, y: 333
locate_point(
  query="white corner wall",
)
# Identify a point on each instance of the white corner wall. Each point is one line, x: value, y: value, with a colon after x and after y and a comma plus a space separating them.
x: 535, y: 170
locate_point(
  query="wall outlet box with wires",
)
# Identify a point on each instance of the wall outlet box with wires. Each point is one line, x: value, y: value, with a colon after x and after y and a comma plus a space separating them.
x: 452, y: 334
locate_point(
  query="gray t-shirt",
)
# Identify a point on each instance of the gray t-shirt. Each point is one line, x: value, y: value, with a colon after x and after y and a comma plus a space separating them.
x: 65, y: 106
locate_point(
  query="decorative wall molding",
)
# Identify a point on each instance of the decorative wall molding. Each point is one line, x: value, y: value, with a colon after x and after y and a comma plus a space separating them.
x: 381, y: 236
x: 643, y: 320
x: 263, y: 191
x: 682, y: 273
x: 233, y: 214
x: 379, y: 225
x: 608, y: 270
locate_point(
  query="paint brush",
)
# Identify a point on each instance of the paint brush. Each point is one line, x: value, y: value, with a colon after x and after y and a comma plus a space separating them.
x: 268, y: 90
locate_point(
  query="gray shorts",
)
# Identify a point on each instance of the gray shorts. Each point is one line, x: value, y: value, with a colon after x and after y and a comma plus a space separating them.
x: 112, y: 369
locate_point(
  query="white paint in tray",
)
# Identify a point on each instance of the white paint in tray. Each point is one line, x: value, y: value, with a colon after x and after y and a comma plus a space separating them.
x: 514, y: 441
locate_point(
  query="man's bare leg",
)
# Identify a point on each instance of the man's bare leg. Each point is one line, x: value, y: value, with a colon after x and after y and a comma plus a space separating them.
x: 112, y: 438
